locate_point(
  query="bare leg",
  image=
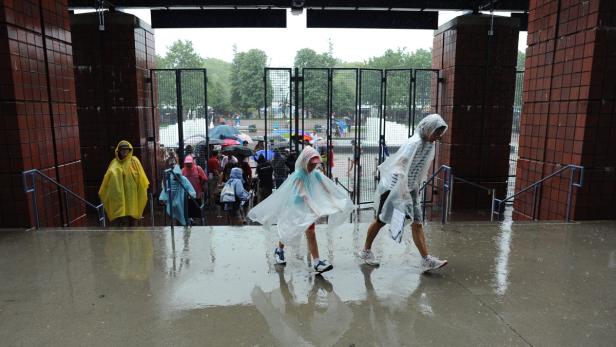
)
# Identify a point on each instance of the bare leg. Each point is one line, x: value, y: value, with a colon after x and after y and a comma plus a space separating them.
x: 312, y: 242
x: 373, y: 230
x: 419, y: 238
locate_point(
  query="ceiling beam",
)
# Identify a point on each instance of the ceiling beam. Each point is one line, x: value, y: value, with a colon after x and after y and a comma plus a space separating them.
x: 453, y: 5
x: 245, y: 18
x: 372, y: 19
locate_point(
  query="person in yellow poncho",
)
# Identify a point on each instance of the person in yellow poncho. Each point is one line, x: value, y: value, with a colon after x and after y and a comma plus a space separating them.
x: 124, y: 188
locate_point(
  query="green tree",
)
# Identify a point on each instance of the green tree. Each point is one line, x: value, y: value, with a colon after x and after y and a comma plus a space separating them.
x: 398, y: 82
x: 182, y: 55
x: 310, y: 64
x: 218, y: 72
x: 246, y: 80
x: 308, y: 58
x: 401, y: 59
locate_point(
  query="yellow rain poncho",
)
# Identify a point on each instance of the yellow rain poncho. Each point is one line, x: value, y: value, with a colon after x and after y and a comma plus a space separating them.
x: 124, y: 188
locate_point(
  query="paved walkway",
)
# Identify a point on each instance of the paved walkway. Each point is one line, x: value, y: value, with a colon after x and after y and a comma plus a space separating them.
x: 529, y: 284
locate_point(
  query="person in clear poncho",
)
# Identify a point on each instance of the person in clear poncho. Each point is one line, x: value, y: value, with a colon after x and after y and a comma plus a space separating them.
x: 295, y: 206
x: 180, y: 187
x: 123, y: 191
x: 401, y: 177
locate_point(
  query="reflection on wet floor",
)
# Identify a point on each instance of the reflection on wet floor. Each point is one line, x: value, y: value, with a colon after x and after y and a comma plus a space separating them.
x: 520, y: 284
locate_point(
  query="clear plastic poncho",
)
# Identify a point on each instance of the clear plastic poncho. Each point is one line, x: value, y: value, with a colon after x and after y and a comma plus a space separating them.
x: 179, y: 194
x: 302, y: 199
x: 395, y: 169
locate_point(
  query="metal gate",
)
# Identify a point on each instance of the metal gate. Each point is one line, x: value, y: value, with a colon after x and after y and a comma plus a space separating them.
x: 354, y: 117
x: 180, y: 107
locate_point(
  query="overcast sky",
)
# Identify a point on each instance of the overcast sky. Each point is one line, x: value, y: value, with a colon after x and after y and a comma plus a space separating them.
x: 281, y: 44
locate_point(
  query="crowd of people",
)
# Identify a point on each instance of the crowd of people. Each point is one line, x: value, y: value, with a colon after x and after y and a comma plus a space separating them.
x: 285, y: 182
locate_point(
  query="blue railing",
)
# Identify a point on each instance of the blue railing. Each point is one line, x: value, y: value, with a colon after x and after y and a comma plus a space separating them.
x: 498, y: 205
x: 30, y: 187
x: 446, y: 185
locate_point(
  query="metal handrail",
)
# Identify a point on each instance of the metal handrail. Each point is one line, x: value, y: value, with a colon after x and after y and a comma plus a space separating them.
x: 476, y: 185
x: 498, y: 205
x: 447, y: 183
x: 30, y: 187
x: 491, y: 192
x: 342, y: 185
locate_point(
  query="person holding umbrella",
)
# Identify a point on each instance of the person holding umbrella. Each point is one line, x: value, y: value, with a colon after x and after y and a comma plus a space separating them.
x: 214, y: 176
x: 280, y: 168
x: 197, y: 178
x: 265, y: 173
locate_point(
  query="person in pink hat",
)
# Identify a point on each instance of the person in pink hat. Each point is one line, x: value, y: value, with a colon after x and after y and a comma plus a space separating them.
x: 198, y: 179
x: 303, y: 198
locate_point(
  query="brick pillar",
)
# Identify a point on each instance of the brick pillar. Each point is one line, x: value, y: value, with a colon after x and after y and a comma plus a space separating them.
x: 113, y: 98
x: 38, y: 126
x: 478, y: 71
x: 568, y: 111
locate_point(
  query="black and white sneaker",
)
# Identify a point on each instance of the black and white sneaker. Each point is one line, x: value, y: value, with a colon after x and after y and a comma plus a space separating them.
x: 322, y: 266
x: 279, y: 256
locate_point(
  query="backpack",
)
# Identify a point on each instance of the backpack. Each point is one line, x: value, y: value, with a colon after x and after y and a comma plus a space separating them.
x: 228, y: 193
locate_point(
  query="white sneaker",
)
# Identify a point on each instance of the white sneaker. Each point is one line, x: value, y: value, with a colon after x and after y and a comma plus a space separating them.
x: 368, y: 257
x: 279, y: 256
x: 322, y: 266
x: 432, y: 263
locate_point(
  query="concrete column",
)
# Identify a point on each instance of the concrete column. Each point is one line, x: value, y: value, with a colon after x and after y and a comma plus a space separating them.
x: 569, y: 105
x: 113, y: 97
x: 38, y: 115
x: 477, y: 58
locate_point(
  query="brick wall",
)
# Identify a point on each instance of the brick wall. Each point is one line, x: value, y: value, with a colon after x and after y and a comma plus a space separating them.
x: 38, y: 127
x: 113, y: 97
x: 477, y: 102
x: 568, y: 111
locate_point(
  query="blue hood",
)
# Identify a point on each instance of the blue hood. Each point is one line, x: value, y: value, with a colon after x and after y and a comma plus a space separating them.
x: 236, y: 173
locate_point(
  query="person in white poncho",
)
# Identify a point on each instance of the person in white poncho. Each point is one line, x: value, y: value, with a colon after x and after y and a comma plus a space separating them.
x: 305, y: 196
x: 401, y: 177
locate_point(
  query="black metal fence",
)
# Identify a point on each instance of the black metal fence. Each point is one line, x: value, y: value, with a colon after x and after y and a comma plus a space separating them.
x: 354, y: 117
x: 515, y: 133
x: 181, y: 96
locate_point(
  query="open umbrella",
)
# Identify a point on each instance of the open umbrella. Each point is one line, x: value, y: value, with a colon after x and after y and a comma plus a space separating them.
x: 223, y: 132
x: 230, y: 142
x: 269, y: 154
x: 304, y: 137
x: 238, y: 151
x: 291, y: 134
x: 244, y: 137
x: 194, y: 140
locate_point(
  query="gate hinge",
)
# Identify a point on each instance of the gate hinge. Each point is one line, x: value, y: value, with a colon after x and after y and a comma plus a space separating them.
x: 383, y: 79
x: 297, y: 78
x: 148, y: 80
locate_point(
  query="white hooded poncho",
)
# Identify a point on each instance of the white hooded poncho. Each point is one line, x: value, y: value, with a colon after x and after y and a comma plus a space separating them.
x: 394, y: 170
x: 301, y: 200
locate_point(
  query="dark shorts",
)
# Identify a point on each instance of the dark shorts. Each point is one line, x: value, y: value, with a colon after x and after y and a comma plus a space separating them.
x: 417, y: 215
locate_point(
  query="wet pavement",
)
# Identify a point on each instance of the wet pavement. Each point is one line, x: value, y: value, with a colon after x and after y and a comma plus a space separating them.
x: 526, y: 284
